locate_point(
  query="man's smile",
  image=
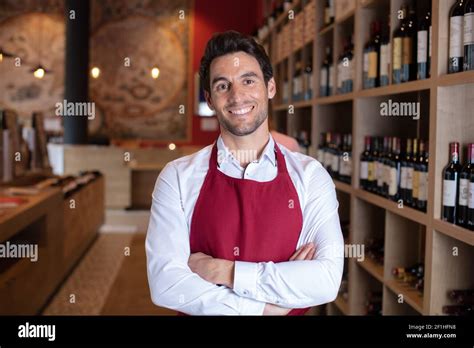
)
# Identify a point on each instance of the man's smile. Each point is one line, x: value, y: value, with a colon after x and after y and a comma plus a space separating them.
x: 241, y: 111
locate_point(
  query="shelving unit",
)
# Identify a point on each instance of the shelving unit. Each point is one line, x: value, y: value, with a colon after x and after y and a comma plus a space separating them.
x: 446, y: 105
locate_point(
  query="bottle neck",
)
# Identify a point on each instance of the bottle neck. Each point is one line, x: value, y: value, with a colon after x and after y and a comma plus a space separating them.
x: 454, y: 152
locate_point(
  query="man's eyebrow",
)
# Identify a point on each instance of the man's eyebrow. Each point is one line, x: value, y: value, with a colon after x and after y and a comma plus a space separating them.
x: 217, y: 79
x: 249, y: 74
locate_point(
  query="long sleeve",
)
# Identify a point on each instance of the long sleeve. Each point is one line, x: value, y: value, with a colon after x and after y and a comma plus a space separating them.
x: 172, y: 283
x: 299, y: 284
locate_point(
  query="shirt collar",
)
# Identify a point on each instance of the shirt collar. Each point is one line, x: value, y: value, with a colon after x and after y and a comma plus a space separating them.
x: 224, y: 152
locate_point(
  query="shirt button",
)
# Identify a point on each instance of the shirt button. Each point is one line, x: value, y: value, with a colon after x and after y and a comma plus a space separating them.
x: 246, y: 292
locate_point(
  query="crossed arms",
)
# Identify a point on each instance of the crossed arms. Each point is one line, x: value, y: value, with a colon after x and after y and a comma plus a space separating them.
x: 188, y: 282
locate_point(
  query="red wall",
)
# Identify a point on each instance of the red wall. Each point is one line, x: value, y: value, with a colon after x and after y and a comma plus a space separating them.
x: 215, y: 16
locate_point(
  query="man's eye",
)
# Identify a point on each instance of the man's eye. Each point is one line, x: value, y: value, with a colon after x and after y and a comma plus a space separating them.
x: 249, y: 82
x: 222, y: 87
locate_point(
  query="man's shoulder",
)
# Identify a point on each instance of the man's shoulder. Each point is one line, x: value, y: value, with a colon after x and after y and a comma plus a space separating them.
x: 196, y: 159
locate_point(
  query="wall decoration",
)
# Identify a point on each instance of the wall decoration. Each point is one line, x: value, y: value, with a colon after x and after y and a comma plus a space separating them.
x: 33, y: 39
x: 126, y: 45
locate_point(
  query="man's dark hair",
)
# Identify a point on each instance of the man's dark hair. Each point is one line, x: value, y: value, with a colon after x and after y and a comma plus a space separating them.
x: 228, y: 42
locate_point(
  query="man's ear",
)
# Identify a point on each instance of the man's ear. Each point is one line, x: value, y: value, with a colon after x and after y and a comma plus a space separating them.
x: 271, y: 88
x: 208, y: 100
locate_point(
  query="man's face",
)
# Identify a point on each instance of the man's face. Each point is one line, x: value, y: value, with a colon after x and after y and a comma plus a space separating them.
x: 238, y: 93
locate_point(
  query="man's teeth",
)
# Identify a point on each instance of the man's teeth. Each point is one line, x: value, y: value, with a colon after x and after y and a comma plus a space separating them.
x: 241, y: 111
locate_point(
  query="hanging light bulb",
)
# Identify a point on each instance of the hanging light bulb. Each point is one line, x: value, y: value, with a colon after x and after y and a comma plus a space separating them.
x: 172, y: 146
x: 95, y: 72
x: 39, y: 72
x: 155, y: 72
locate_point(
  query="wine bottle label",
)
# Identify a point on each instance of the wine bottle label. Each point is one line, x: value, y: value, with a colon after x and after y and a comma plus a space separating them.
x: 339, y: 75
x: 364, y: 170
x: 379, y: 173
x: 468, y: 37
x: 366, y: 62
x: 324, y: 77
x: 403, y: 177
x: 371, y: 171
x: 392, y: 186
x: 327, y: 159
x: 320, y: 156
x: 407, y: 50
x: 410, y: 178
x: 397, y: 53
x: 455, y: 37
x: 463, y: 191
x: 422, y: 186
x: 335, y: 163
x: 449, y: 193
x: 416, y: 184
x: 386, y: 174
x: 331, y: 76
x: 470, y: 202
x: 373, y: 59
x: 422, y: 47
x: 429, y: 44
x: 348, y: 165
x: 384, y: 59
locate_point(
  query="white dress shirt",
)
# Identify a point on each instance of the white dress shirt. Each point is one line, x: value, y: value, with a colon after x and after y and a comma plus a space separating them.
x: 291, y: 284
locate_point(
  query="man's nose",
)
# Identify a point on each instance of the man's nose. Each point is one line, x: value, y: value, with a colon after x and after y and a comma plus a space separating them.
x: 235, y: 94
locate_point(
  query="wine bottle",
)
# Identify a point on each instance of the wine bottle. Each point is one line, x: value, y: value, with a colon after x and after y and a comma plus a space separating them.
x: 345, y: 162
x: 351, y: 67
x: 456, y: 17
x: 459, y: 310
x: 372, y: 179
x: 365, y: 158
x: 365, y: 63
x: 321, y: 148
x: 327, y: 153
x: 416, y: 178
x: 464, y: 176
x: 335, y: 156
x: 470, y: 203
x: 308, y: 77
x: 373, y: 56
x: 385, y: 55
x: 394, y: 176
x: 379, y: 164
x: 410, y: 173
x: 332, y: 76
x: 468, y: 37
x: 450, y: 184
x: 463, y: 297
x: 324, y: 74
x: 422, y: 173
x: 404, y: 165
x: 297, y: 82
x: 409, y: 46
x: 417, y: 270
x: 398, y: 46
x: 422, y: 46
x: 386, y: 167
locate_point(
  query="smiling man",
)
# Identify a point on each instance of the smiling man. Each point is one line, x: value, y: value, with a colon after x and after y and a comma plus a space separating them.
x: 243, y: 226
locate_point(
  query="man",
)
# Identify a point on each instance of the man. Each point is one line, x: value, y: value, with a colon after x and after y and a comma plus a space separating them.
x: 243, y: 226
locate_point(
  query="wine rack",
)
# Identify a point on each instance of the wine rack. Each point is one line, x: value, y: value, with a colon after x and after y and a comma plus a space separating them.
x: 446, y: 114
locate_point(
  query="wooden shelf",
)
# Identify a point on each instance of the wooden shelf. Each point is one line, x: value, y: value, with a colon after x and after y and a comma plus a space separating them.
x: 412, y: 86
x: 457, y: 232
x: 406, y: 212
x: 326, y: 29
x: 461, y: 78
x: 303, y: 104
x: 341, y: 186
x: 342, y: 305
x: 375, y: 269
x: 411, y: 296
x: 446, y: 109
x: 338, y: 98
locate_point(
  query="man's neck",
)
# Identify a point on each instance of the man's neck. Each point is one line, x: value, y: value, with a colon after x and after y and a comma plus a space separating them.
x: 249, y: 147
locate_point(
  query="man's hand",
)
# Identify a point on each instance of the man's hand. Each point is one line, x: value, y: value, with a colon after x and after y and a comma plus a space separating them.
x: 304, y: 253
x: 216, y: 271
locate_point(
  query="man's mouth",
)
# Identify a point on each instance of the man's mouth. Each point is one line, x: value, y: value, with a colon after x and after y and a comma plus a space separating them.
x: 241, y: 111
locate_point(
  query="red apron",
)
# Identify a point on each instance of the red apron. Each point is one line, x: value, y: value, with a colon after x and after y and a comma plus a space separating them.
x: 246, y: 220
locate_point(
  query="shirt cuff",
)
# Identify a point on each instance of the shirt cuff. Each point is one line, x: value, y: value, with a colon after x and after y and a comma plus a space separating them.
x: 251, y: 307
x: 245, y: 278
